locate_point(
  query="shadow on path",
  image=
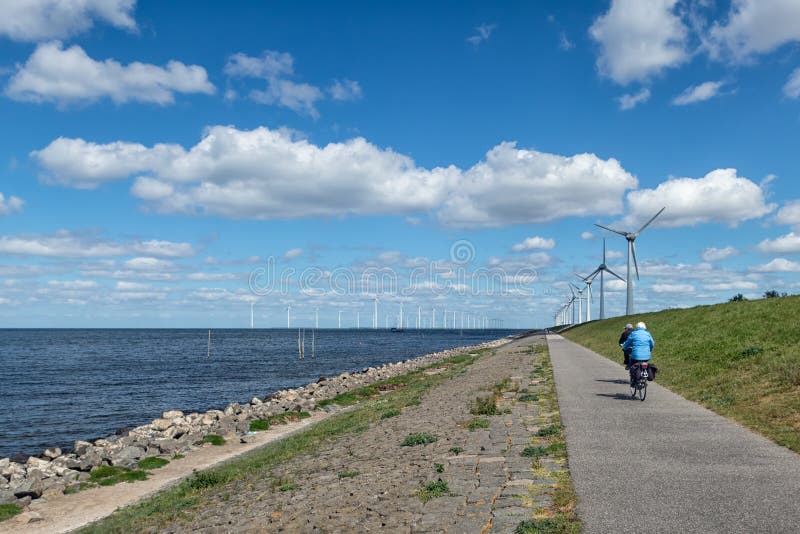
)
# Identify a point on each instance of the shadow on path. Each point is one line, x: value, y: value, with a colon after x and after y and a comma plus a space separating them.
x: 617, y: 396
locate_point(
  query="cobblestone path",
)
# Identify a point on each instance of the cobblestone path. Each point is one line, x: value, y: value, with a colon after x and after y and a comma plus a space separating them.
x: 368, y: 482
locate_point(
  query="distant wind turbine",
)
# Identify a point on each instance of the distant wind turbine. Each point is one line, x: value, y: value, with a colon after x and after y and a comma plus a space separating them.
x: 631, y: 237
x: 602, y: 268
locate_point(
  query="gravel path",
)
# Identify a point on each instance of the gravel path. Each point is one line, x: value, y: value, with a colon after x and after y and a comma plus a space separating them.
x: 665, y: 464
x: 491, y: 487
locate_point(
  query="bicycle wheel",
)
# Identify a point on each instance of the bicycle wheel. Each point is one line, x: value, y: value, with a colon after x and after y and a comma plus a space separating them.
x: 642, y: 389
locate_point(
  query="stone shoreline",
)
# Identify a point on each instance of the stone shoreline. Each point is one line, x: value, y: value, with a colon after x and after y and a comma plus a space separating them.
x: 55, y: 472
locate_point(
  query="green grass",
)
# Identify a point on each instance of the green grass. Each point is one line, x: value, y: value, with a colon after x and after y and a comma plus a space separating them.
x: 528, y: 397
x: 456, y: 450
x: 533, y: 452
x: 550, y: 430
x: 178, y: 456
x: 180, y: 502
x: 433, y: 490
x: 214, y: 439
x: 739, y: 359
x: 420, y: 438
x: 439, y: 468
x: 9, y: 510
x: 477, y: 423
x: 152, y: 462
x: 288, y: 487
x: 484, y: 405
x: 394, y: 412
x: 106, y: 475
x: 258, y: 425
x: 349, y: 474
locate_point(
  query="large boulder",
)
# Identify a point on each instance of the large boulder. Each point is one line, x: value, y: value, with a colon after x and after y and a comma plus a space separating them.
x: 7, y: 496
x: 127, y: 456
x: 52, y: 453
x: 162, y: 424
x: 28, y: 487
x: 172, y: 414
x: 81, y: 447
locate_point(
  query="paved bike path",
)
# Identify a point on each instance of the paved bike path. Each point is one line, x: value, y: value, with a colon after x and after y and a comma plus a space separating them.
x: 665, y: 464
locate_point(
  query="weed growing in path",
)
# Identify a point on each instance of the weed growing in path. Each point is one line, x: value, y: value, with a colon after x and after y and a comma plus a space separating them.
x: 422, y: 438
x: 152, y: 462
x: 8, y: 510
x: 477, y: 423
x: 214, y: 439
x: 433, y: 490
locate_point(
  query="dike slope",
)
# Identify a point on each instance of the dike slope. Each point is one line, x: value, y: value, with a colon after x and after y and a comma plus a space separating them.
x: 739, y: 359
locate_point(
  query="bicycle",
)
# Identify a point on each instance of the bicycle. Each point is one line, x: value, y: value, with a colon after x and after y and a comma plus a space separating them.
x: 638, y: 385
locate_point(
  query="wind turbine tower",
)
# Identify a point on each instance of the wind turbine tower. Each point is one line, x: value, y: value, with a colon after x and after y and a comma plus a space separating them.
x: 375, y: 315
x: 631, y: 238
x: 340, y: 319
x: 316, y: 318
x: 289, y: 316
x: 602, y: 268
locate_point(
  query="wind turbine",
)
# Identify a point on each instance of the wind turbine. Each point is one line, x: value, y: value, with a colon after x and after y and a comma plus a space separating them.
x: 340, y: 319
x: 631, y: 237
x: 316, y: 318
x: 600, y: 270
x: 580, y: 302
x: 375, y: 316
x: 289, y: 316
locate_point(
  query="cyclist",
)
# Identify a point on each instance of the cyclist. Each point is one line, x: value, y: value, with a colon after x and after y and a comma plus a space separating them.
x: 622, y: 339
x: 640, y: 343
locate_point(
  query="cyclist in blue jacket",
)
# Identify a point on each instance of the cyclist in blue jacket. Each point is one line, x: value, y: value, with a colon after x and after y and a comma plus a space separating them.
x: 640, y: 343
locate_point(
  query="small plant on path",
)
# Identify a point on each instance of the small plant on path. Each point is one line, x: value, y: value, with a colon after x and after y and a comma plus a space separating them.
x: 8, y: 510
x: 152, y: 462
x: 214, y: 439
x: 422, y: 438
x: 433, y: 490
x: 477, y: 423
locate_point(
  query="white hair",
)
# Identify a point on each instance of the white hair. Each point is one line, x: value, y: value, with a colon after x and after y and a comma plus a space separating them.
x: 641, y: 324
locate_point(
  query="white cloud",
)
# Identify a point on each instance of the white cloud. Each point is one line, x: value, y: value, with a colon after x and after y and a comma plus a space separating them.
x: 630, y: 101
x: 742, y: 285
x: 149, y: 264
x: 275, y: 68
x: 535, y: 242
x: 613, y: 284
x: 37, y: 20
x: 754, y: 27
x: 164, y: 249
x: 67, y: 244
x: 345, y: 90
x: 11, y: 205
x: 698, y: 93
x: 673, y: 288
x: 60, y: 245
x: 639, y: 39
x: 720, y: 196
x: 789, y: 213
x: 778, y: 265
x: 131, y: 286
x: 72, y: 284
x: 587, y: 235
x: 293, y: 253
x: 564, y: 43
x: 212, y: 276
x: 718, y: 254
x: 536, y: 187
x: 482, y: 33
x: 792, y: 87
x: 614, y: 254
x: 538, y: 260
x: 254, y: 174
x: 70, y: 76
x: 787, y: 244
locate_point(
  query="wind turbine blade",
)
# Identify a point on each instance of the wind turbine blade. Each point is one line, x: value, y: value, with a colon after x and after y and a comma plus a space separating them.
x: 635, y: 263
x: 609, y: 271
x: 612, y: 230
x: 593, y: 275
x: 651, y: 220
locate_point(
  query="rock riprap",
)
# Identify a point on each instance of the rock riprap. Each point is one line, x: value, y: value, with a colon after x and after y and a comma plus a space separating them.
x: 175, y: 432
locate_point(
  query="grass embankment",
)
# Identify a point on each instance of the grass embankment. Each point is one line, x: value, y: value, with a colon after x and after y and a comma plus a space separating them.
x: 374, y: 403
x: 739, y: 359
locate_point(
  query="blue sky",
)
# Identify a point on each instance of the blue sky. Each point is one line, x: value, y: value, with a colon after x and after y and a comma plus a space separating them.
x: 160, y: 162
